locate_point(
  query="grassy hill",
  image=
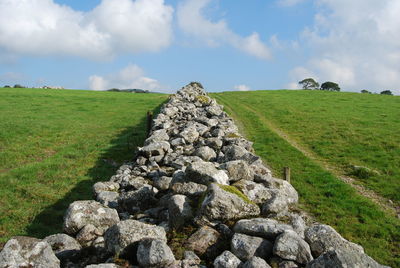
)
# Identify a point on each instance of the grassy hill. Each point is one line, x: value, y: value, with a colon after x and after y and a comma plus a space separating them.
x: 312, y: 130
x: 55, y: 144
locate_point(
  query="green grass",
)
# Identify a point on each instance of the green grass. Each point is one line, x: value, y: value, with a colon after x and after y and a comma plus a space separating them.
x: 55, y: 144
x: 341, y: 129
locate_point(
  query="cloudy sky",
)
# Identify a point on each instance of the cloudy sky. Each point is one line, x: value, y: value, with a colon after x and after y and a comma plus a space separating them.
x: 226, y: 45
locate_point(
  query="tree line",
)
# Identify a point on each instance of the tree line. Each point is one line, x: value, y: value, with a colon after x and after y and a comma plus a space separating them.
x: 311, y: 84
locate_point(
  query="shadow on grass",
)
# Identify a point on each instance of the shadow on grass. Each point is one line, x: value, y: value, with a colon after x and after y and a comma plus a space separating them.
x: 122, y: 149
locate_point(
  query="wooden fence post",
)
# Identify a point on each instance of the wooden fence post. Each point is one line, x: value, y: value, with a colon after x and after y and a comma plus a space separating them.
x: 149, y: 122
x: 286, y: 173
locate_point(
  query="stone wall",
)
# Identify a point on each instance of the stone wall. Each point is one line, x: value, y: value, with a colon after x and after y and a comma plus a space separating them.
x: 195, y: 196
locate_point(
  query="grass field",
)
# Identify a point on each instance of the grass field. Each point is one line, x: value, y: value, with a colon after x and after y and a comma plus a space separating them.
x: 54, y: 145
x: 341, y: 129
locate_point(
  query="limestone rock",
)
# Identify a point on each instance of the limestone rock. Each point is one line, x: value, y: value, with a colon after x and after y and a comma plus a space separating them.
x: 141, y: 199
x: 222, y: 205
x: 205, y: 153
x: 256, y: 192
x: 108, y: 198
x: 154, y: 253
x: 64, y: 246
x: 290, y: 246
x: 179, y: 210
x: 202, y: 239
x: 323, y: 238
x: 238, y: 170
x: 102, y: 186
x: 190, y: 189
x: 157, y: 136
x: 22, y: 251
x: 162, y: 183
x: 227, y: 260
x: 245, y: 247
x: 156, y: 149
x: 205, y: 173
x: 81, y: 213
x: 87, y: 235
x: 125, y: 233
x: 190, y: 134
x: 343, y: 259
x: 266, y: 228
x: 255, y: 262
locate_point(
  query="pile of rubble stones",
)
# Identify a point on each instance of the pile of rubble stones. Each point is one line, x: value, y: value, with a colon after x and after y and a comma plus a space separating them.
x: 196, y: 195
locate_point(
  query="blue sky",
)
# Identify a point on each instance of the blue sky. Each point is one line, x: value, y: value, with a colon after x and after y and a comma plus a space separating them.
x: 226, y: 45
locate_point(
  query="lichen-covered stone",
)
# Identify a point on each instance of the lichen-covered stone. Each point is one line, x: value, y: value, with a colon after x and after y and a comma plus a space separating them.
x: 22, y: 251
x: 222, y: 205
x: 290, y: 246
x: 245, y: 247
x: 266, y: 228
x: 154, y: 253
x: 81, y: 213
x: 206, y: 173
x: 227, y: 260
x: 125, y: 233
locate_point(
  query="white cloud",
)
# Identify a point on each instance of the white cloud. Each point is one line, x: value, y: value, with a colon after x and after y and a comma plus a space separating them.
x: 129, y: 77
x: 192, y: 21
x: 42, y: 27
x: 242, y: 88
x: 356, y: 44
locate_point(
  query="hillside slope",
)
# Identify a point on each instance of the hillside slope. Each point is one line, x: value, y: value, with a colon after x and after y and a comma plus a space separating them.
x: 339, y: 129
x: 55, y: 144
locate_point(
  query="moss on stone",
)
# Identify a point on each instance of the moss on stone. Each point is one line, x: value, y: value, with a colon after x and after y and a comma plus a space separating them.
x: 235, y: 191
x: 232, y: 135
x: 203, y: 99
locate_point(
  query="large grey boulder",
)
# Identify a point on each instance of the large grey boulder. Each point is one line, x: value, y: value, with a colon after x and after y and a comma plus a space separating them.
x: 162, y: 183
x: 64, y: 246
x: 156, y: 149
x: 238, y: 170
x: 344, y: 259
x: 323, y: 238
x: 157, y: 136
x: 154, y: 253
x: 226, y: 204
x: 179, y: 210
x: 108, y: 198
x: 104, y: 186
x: 205, y: 173
x: 87, y: 235
x: 256, y: 262
x: 190, y: 134
x: 202, y: 239
x: 141, y: 199
x: 266, y: 228
x: 125, y: 233
x: 205, y: 153
x: 81, y: 213
x: 283, y: 195
x: 190, y: 189
x: 290, y: 246
x: 245, y: 247
x: 22, y: 251
x: 256, y: 192
x: 227, y: 260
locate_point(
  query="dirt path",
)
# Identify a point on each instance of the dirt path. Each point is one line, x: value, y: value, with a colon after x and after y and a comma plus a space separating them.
x: 382, y: 202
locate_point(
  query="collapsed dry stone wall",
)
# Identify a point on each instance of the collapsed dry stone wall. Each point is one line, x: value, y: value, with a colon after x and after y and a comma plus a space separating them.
x: 196, y: 195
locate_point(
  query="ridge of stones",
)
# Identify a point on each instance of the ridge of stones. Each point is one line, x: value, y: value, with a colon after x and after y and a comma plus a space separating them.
x: 196, y: 195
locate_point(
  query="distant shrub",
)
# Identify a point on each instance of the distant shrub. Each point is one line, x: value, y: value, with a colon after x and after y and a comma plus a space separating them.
x: 366, y: 91
x: 7, y: 86
x: 386, y: 92
x: 18, y: 86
